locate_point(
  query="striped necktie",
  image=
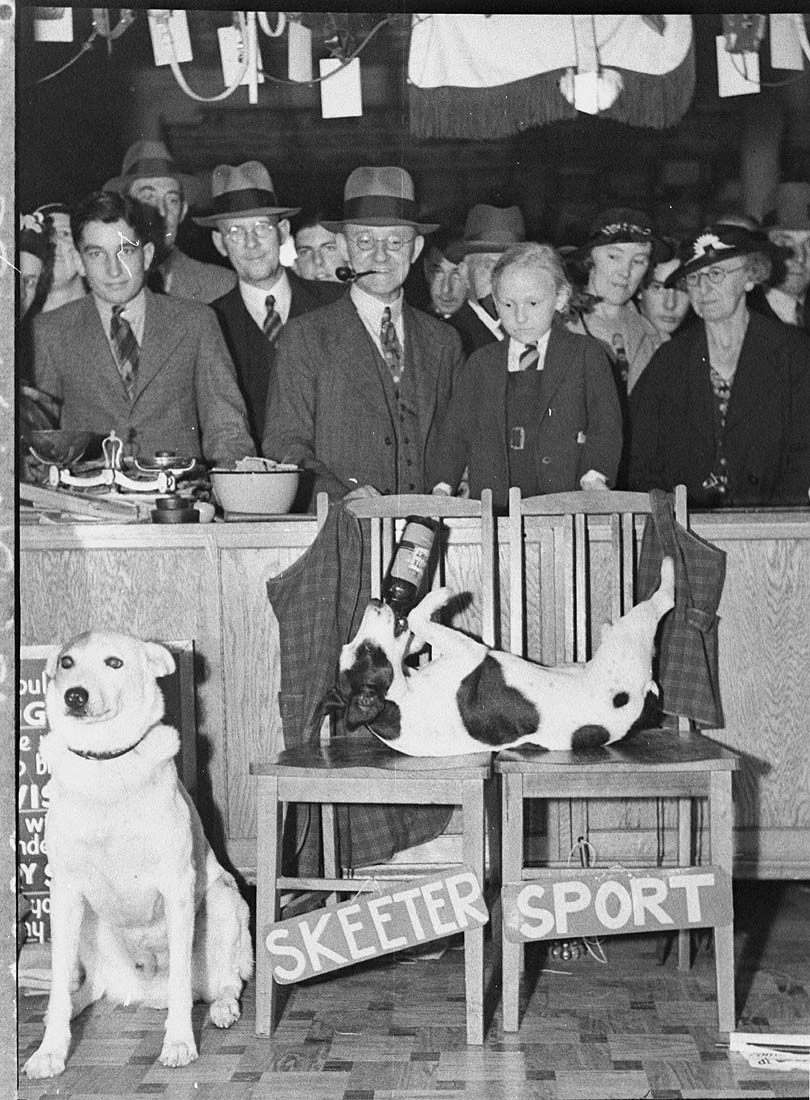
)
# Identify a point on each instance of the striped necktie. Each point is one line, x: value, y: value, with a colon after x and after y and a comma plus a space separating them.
x: 272, y: 322
x: 391, y: 347
x: 529, y: 358
x: 126, y: 349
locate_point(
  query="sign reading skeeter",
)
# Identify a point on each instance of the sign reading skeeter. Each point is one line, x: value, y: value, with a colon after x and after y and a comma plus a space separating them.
x: 378, y: 924
x: 573, y: 903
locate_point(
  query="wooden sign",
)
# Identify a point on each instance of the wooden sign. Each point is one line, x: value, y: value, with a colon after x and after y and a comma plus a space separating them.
x: 571, y: 903
x: 415, y: 912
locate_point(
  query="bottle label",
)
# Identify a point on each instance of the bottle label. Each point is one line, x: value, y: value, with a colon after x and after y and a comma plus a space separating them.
x: 410, y: 562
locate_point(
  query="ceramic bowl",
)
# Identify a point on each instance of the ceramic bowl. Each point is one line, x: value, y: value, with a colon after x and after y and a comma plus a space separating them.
x: 255, y: 492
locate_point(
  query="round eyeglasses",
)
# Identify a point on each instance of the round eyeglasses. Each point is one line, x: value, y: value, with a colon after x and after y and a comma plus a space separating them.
x: 239, y: 233
x: 715, y: 275
x: 393, y: 243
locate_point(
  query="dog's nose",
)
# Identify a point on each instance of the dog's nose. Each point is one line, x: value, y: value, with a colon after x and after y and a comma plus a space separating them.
x: 76, y: 698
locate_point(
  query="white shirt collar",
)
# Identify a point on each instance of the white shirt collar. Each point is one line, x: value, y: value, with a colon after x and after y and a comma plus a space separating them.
x: 784, y: 305
x: 516, y: 349
x: 134, y: 312
x: 492, y: 323
x: 255, y: 297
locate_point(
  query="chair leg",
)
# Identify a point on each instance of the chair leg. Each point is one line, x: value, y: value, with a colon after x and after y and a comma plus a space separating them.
x: 492, y: 796
x: 473, y: 856
x: 269, y: 817
x: 721, y: 824
x: 684, y: 807
x: 512, y: 872
x: 329, y: 841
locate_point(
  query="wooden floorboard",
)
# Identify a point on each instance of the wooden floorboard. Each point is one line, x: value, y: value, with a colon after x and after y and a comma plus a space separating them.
x: 395, y: 1030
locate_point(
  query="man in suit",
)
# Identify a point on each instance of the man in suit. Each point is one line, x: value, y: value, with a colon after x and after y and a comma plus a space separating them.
x: 488, y: 232
x: 787, y: 221
x: 250, y: 228
x: 152, y: 367
x: 149, y: 174
x: 361, y: 385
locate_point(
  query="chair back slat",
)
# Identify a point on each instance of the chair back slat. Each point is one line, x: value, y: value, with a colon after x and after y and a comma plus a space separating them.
x: 588, y: 545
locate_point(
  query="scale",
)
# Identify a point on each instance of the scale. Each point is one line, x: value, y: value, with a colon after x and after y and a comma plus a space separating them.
x: 165, y: 467
x: 153, y: 477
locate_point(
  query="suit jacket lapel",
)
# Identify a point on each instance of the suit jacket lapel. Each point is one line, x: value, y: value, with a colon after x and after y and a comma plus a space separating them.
x: 99, y: 351
x: 555, y: 367
x: 159, y: 343
x: 699, y: 386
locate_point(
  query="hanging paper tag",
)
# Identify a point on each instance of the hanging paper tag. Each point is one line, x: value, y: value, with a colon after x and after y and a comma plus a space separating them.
x: 232, y: 53
x: 738, y: 73
x: 341, y: 95
x: 169, y: 28
x: 299, y: 52
x: 786, y: 49
x: 53, y: 25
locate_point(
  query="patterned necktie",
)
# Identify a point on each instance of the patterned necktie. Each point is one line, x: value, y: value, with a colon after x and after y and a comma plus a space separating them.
x: 487, y: 303
x: 391, y: 347
x: 529, y: 358
x: 272, y: 323
x: 126, y: 349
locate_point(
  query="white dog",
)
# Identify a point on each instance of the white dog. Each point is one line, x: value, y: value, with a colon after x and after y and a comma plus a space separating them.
x: 141, y: 911
x: 469, y: 698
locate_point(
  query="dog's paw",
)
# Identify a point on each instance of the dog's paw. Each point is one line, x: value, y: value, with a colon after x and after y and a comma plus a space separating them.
x: 178, y: 1052
x: 428, y: 606
x: 45, y: 1063
x: 225, y: 1011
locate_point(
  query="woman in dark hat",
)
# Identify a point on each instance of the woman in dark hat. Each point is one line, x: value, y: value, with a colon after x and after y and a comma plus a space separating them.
x: 622, y: 243
x: 724, y: 407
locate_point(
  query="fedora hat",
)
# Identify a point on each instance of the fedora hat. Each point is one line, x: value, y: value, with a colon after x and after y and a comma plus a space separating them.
x: 380, y: 196
x: 150, y: 159
x: 493, y: 228
x: 788, y: 207
x: 718, y: 242
x: 242, y: 191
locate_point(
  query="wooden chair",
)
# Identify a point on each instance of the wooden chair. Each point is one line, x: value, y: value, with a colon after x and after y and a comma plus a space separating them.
x: 356, y: 770
x: 573, y: 531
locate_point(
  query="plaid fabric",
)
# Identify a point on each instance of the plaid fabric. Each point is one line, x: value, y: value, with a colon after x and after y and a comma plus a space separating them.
x: 126, y: 349
x: 687, y: 654
x: 319, y: 602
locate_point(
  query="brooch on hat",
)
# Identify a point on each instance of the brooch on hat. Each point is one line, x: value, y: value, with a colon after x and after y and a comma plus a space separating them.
x: 707, y: 242
x: 34, y: 222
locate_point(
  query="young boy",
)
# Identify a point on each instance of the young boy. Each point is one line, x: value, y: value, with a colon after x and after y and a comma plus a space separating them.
x: 538, y: 410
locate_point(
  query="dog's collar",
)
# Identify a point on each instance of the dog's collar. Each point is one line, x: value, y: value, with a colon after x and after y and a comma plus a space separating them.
x: 88, y: 755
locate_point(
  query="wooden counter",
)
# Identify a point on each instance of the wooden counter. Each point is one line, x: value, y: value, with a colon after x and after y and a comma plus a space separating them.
x: 207, y: 583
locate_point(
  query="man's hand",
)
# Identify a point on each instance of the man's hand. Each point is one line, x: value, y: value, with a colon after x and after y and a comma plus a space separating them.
x: 362, y: 492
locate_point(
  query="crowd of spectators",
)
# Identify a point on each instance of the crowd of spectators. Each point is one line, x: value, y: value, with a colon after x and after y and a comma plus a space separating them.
x: 386, y: 353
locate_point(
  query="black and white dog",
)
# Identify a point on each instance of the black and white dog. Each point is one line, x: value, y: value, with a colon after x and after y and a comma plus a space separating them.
x: 471, y: 698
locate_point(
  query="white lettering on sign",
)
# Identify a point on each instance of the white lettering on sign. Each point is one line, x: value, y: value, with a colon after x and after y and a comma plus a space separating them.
x: 592, y: 902
x: 341, y: 935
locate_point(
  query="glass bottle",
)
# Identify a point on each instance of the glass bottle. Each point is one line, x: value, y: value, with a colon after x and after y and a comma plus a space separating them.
x: 408, y: 567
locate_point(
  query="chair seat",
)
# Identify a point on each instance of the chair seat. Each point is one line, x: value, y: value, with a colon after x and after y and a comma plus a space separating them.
x: 653, y: 749
x: 364, y: 757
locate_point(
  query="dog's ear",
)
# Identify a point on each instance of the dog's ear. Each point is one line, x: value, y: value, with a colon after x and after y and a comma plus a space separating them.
x: 159, y: 660
x: 332, y: 703
x: 51, y: 663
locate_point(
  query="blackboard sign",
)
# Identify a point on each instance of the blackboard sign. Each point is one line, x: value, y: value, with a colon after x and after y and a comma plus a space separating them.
x: 32, y: 797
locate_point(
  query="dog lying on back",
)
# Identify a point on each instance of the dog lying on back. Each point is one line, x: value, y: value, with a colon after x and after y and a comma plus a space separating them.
x: 140, y: 908
x: 469, y: 698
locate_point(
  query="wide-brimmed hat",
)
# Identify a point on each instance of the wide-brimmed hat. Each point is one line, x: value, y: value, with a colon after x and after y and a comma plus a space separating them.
x: 151, y: 159
x: 242, y: 191
x: 380, y: 196
x: 622, y: 225
x: 788, y: 207
x: 34, y: 237
x: 493, y: 228
x: 718, y: 242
